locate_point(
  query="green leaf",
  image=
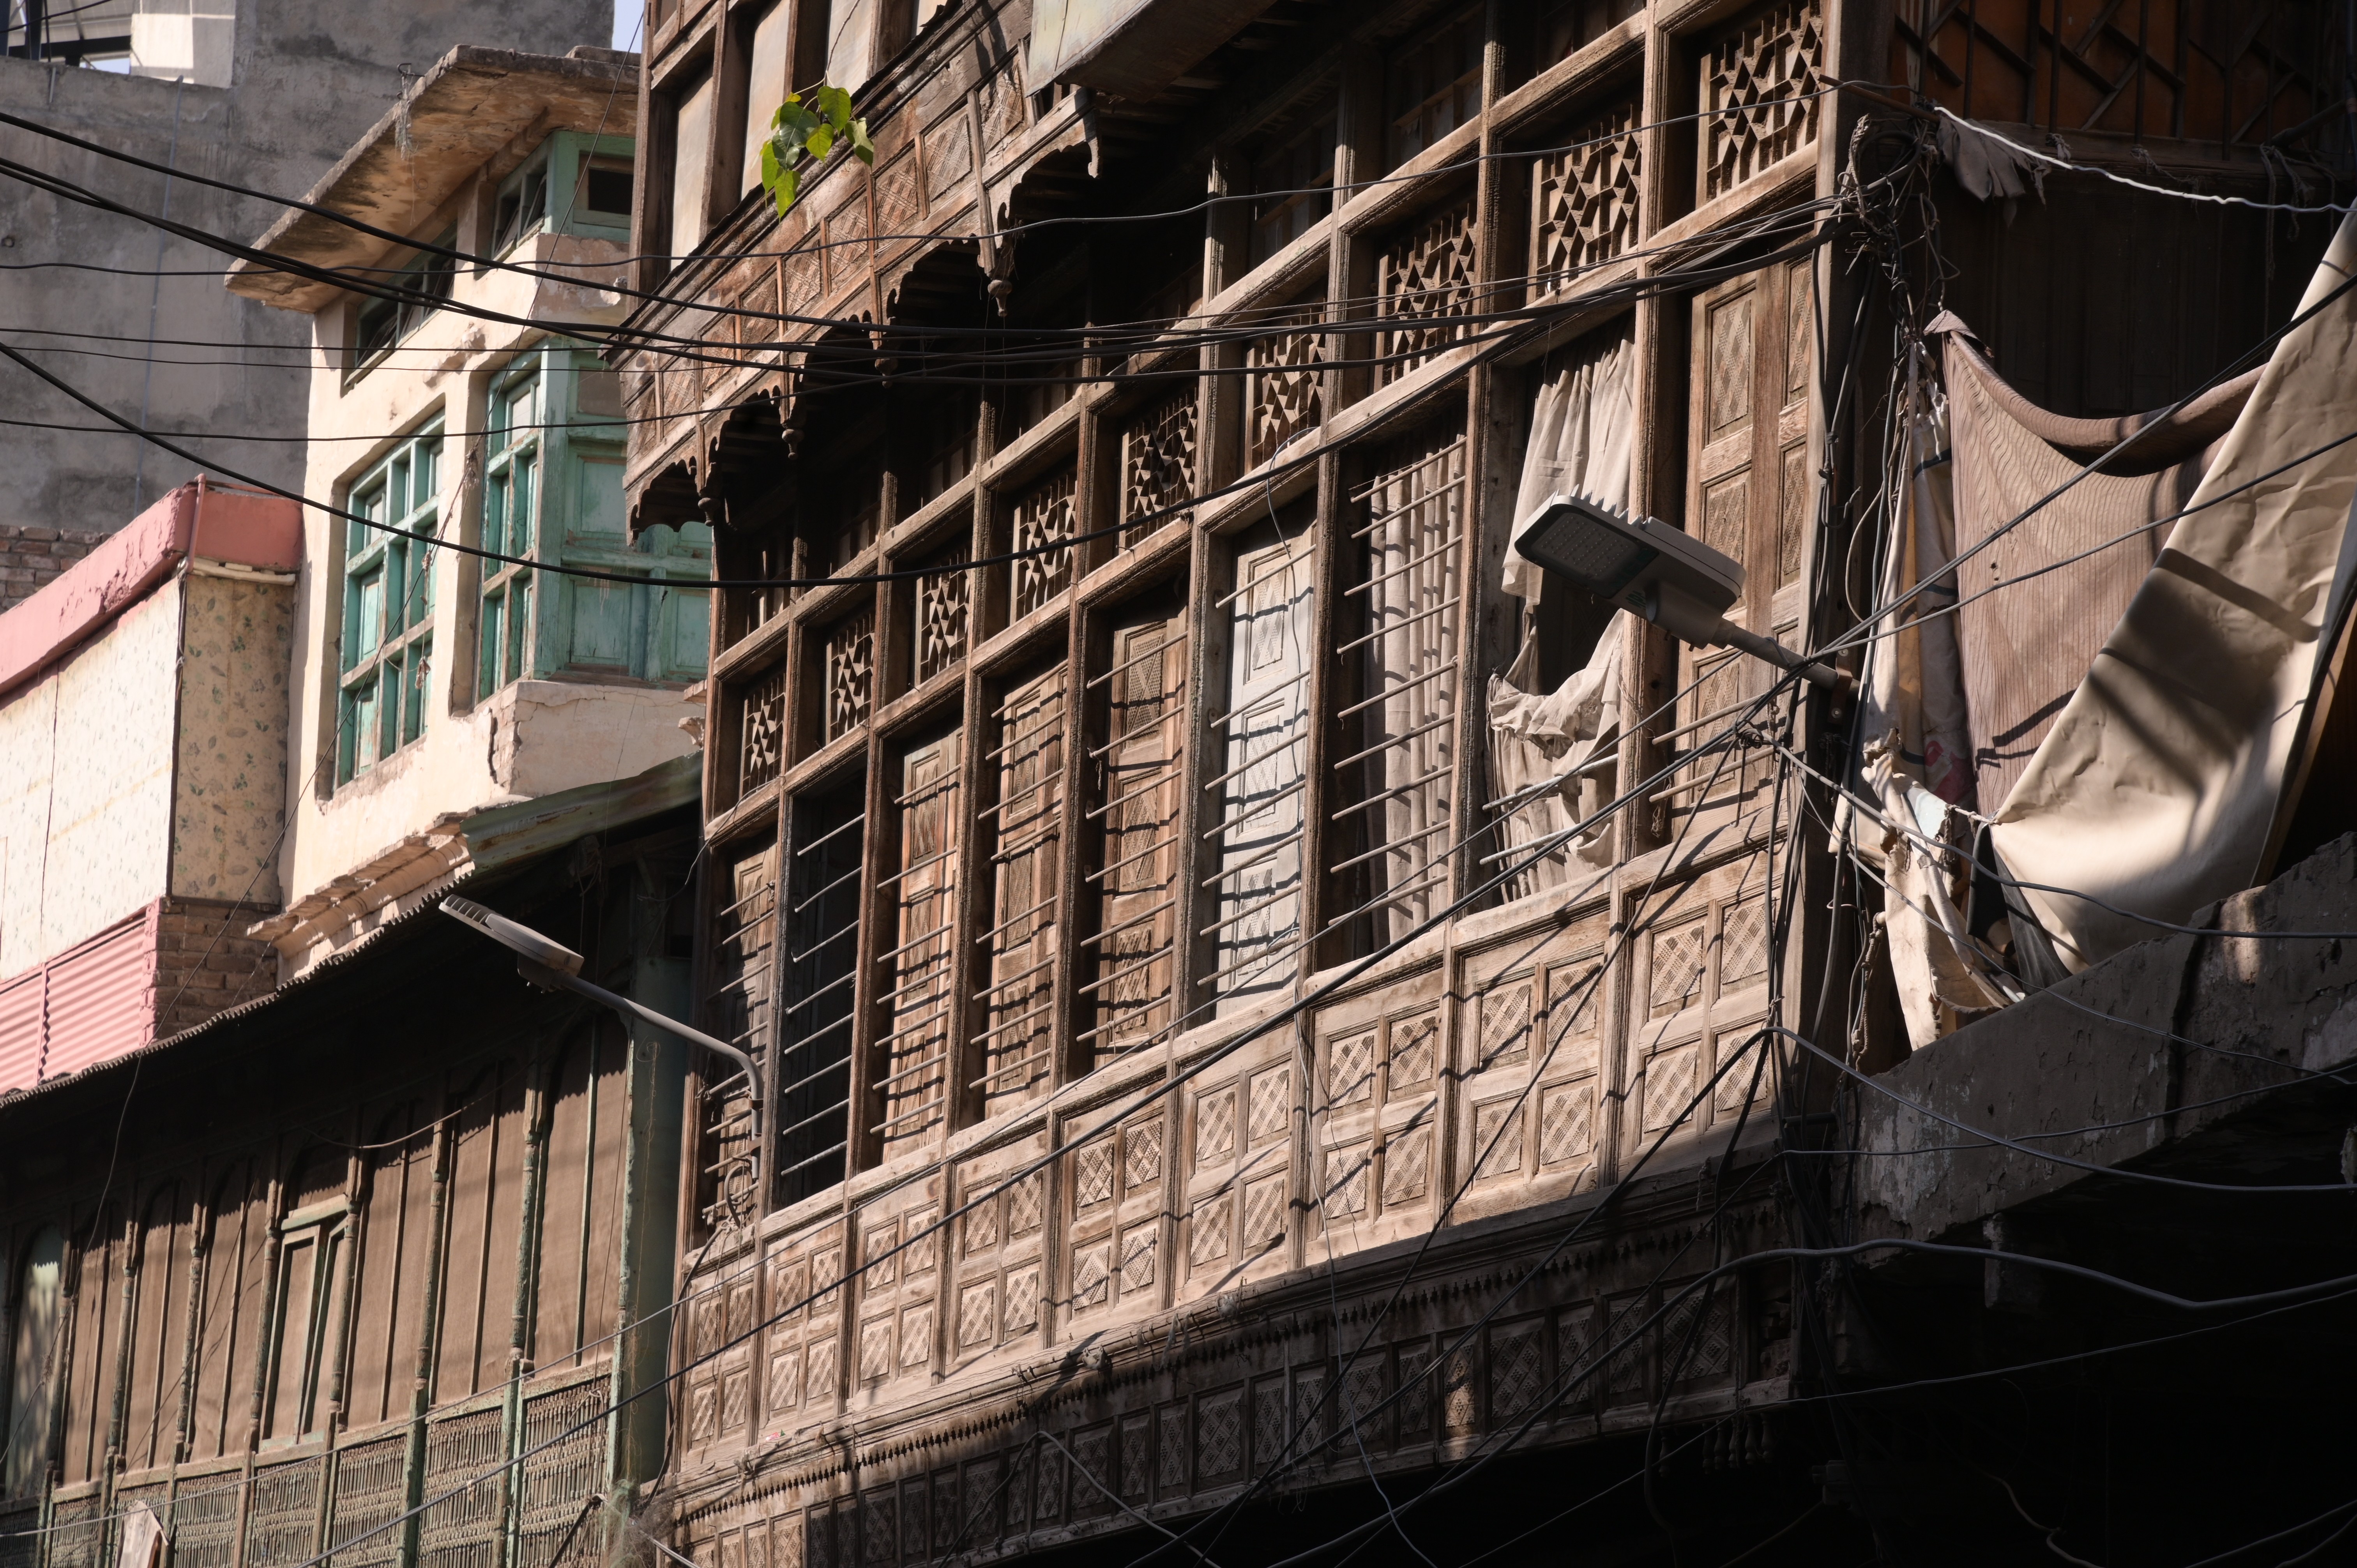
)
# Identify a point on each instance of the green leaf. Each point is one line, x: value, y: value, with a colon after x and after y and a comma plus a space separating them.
x: 860, y: 145
x: 835, y: 104
x: 782, y: 194
x: 771, y: 168
x: 822, y: 141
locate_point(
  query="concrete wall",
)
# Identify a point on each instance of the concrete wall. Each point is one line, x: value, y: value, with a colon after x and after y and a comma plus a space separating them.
x: 310, y: 77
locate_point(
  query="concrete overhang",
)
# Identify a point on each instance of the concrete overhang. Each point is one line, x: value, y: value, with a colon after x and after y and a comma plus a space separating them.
x: 1131, y: 48
x: 456, y: 118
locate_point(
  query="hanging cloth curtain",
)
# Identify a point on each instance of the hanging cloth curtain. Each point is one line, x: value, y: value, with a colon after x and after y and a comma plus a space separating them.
x: 1534, y: 737
x: 1583, y: 439
x: 2027, y: 646
x: 2159, y: 787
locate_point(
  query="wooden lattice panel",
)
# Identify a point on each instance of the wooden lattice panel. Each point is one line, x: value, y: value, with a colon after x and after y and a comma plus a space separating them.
x: 918, y: 1004
x: 760, y: 745
x: 1159, y: 450
x: 898, y: 1288
x: 1764, y: 73
x: 2160, y: 68
x: 1138, y: 878
x: 899, y: 200
x: 1114, y: 1233
x: 949, y: 158
x: 850, y: 672
x: 1424, y: 275
x: 805, y: 1315
x: 1584, y: 200
x: 1043, y: 514
x: 1019, y: 1003
x: 1285, y: 372
x: 998, y: 1252
x: 945, y: 609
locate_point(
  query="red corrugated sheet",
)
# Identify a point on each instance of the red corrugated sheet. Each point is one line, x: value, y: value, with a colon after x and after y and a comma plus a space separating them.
x: 91, y: 1003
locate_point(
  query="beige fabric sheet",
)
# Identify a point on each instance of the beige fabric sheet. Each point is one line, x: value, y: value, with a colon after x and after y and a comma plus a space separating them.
x: 1583, y: 439
x: 2158, y: 786
x: 1535, y: 736
x: 2027, y: 647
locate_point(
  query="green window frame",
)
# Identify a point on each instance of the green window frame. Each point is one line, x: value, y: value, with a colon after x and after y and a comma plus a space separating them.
x: 386, y: 636
x: 572, y: 184
x: 552, y: 495
x: 379, y: 325
x: 510, y: 510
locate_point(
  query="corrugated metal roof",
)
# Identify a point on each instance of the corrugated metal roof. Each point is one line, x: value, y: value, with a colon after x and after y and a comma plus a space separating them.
x: 100, y: 1002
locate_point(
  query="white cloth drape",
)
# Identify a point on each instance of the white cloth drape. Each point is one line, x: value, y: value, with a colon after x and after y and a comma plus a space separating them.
x: 1583, y: 440
x: 1917, y: 760
x: 1534, y: 737
x: 2159, y: 788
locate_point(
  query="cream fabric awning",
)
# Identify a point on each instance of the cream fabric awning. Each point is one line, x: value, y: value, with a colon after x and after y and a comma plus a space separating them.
x: 2158, y: 788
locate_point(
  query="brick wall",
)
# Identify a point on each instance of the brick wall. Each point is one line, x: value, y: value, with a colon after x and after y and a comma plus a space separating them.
x: 31, y: 558
x: 205, y: 963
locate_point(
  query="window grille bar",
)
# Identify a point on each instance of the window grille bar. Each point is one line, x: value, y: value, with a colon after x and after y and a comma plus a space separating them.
x: 1390, y: 627
x: 1249, y: 763
x: 1412, y: 784
x: 1416, y: 560
x: 1157, y: 847
x: 1137, y: 919
x: 1395, y: 847
x: 851, y: 875
x: 811, y: 847
x: 1156, y: 652
x: 1294, y: 789
x: 1386, y: 697
x: 1425, y: 729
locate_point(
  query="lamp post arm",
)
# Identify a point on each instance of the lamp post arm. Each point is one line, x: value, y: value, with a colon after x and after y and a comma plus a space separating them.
x: 541, y: 974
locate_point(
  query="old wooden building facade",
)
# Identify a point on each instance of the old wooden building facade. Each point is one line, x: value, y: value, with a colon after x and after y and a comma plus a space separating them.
x: 1197, y: 1069
x: 341, y: 1251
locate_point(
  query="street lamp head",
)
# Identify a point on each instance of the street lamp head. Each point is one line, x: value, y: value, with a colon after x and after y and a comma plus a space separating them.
x: 523, y: 941
x: 1667, y: 576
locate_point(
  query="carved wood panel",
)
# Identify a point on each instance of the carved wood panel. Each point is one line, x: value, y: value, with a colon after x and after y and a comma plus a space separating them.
x: 850, y: 672
x: 2164, y: 68
x: 1375, y: 1115
x: 1283, y: 382
x: 1116, y: 1249
x: 800, y: 1382
x: 945, y: 609
x: 1584, y: 200
x: 1043, y: 514
x: 1138, y: 782
x: 1425, y: 274
x: 760, y: 747
x: 915, y: 1053
x: 1159, y: 450
x: 949, y: 159
x: 1236, y: 1206
x: 1705, y: 989
x: 1532, y: 1047
x: 898, y: 1290
x: 1750, y: 492
x: 1000, y: 1259
x: 1764, y: 72
x: 1019, y: 999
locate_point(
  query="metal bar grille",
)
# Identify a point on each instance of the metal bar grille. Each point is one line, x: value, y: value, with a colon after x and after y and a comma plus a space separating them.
x: 1405, y: 725
x: 914, y: 1049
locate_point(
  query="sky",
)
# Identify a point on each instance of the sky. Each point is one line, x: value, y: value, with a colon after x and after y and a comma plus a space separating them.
x: 628, y: 15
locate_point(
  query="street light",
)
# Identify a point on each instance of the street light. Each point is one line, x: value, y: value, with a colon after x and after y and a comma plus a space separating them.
x: 553, y: 966
x: 1671, y: 578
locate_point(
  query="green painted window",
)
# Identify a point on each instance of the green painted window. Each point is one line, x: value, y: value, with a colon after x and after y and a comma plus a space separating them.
x: 572, y: 184
x: 388, y: 619
x: 381, y: 324
x: 553, y: 494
